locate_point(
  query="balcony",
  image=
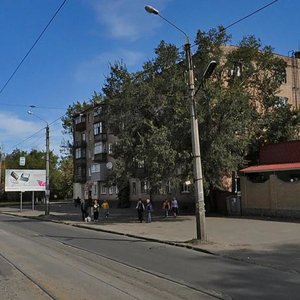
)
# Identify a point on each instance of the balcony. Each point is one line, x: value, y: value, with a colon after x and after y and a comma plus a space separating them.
x: 98, y: 118
x: 101, y: 137
x: 80, y: 161
x: 80, y: 126
x: 100, y: 157
x: 80, y: 144
x: 80, y: 178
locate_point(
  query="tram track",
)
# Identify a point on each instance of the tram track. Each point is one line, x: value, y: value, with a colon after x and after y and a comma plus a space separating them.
x: 63, y: 251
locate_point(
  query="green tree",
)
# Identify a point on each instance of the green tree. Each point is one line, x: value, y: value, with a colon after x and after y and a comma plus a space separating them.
x: 64, y: 179
x: 142, y: 108
x: 238, y: 110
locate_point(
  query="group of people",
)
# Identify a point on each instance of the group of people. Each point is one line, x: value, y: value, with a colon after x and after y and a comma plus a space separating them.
x: 148, y: 209
x: 92, y: 207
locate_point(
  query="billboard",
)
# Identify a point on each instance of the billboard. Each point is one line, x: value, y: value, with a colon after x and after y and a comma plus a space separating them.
x: 25, y: 180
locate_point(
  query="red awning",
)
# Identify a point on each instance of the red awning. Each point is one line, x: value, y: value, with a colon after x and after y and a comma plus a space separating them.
x: 272, y: 167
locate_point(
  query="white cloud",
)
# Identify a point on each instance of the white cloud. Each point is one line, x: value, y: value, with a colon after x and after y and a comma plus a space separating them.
x: 126, y: 19
x: 23, y: 134
x: 11, y: 126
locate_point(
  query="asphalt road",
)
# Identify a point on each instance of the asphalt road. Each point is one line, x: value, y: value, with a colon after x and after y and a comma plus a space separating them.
x: 42, y: 260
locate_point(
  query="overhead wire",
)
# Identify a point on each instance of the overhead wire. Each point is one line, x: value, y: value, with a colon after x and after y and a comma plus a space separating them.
x: 34, y: 134
x: 31, y: 48
x: 140, y: 74
x: 243, y: 18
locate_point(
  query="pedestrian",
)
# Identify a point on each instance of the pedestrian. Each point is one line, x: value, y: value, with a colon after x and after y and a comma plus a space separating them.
x: 96, y: 210
x: 174, y: 207
x: 166, y: 207
x: 82, y: 207
x: 105, y: 206
x: 149, y: 210
x: 87, y: 204
x: 78, y: 201
x: 140, y: 208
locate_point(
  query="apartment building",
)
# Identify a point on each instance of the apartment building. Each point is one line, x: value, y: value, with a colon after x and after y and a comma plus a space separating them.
x: 93, y: 144
x: 290, y: 89
x: 92, y: 155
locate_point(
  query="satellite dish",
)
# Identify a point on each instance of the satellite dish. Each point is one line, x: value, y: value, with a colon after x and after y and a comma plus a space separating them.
x: 109, y: 165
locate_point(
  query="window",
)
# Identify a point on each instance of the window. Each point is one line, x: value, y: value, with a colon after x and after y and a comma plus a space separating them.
x: 98, y: 128
x: 185, y: 188
x: 111, y: 190
x: 97, y: 111
x: 103, y: 189
x: 78, y: 153
x: 95, y: 190
x: 133, y: 188
x: 79, y: 119
x: 110, y: 148
x: 90, y: 135
x: 95, y: 168
x: 83, y: 136
x: 89, y: 172
x: 99, y: 148
x: 145, y: 187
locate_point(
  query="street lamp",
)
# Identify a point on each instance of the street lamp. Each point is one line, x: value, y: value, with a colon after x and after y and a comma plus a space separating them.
x: 198, y: 178
x: 47, y: 191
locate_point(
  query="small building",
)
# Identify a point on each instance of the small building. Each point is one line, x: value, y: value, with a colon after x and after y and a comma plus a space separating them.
x: 272, y: 188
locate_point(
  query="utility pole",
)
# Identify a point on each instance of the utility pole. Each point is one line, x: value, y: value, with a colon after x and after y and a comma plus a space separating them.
x: 47, y: 191
x: 198, y: 178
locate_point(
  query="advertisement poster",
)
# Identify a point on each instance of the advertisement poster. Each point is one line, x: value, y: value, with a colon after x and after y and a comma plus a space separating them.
x: 25, y: 180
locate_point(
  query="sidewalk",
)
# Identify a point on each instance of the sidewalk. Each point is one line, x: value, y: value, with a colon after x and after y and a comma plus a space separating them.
x: 269, y: 243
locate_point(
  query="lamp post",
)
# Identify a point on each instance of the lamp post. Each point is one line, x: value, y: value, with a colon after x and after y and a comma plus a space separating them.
x: 47, y: 191
x: 198, y: 178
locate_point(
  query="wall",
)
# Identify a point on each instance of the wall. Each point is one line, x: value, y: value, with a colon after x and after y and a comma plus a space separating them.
x: 271, y: 198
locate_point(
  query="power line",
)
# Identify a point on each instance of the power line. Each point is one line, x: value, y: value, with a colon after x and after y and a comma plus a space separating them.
x: 31, y: 48
x: 37, y: 132
x: 247, y: 16
x: 251, y: 14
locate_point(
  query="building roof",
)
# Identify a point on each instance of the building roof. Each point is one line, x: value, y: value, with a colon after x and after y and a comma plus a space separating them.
x: 272, y: 168
x: 281, y: 153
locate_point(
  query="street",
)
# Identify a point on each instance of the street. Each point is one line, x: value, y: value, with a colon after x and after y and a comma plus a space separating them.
x: 43, y: 259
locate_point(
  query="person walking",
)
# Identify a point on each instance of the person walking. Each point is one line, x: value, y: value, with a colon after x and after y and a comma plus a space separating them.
x: 166, y: 207
x: 87, y: 205
x: 149, y: 210
x: 105, y: 206
x: 82, y: 208
x: 96, y: 210
x: 174, y: 207
x: 140, y: 208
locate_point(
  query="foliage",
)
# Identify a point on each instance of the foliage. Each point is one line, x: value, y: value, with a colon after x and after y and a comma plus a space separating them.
x: 64, y: 180
x: 143, y: 108
x: 238, y: 110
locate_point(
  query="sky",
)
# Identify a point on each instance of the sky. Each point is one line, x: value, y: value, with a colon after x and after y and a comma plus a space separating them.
x: 71, y: 59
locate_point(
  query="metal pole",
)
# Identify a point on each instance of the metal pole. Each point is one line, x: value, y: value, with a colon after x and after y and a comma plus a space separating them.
x: 21, y: 201
x: 32, y: 199
x: 47, y: 191
x: 198, y: 178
